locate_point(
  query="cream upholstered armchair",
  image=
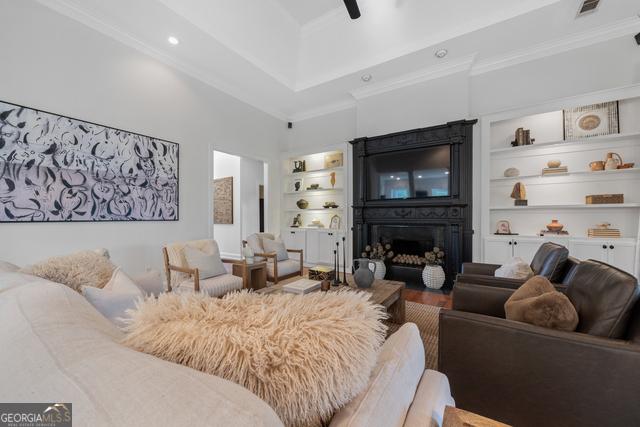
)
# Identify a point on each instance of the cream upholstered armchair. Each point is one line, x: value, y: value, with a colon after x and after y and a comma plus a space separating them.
x: 276, y: 269
x: 182, y: 277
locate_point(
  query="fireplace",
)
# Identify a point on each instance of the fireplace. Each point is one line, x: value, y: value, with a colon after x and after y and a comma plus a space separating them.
x: 412, y: 190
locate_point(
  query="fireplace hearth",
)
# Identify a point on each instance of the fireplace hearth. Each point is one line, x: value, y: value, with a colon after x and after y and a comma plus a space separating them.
x: 413, y: 190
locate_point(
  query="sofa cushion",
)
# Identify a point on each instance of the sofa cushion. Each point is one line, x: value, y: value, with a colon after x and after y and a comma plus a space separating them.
x: 7, y: 267
x: 112, y: 305
x: 285, y: 268
x: 515, y: 268
x: 63, y: 349
x: 432, y: 396
x: 277, y: 247
x: 538, y: 303
x: 208, y: 264
x: 549, y: 261
x: 150, y: 282
x: 604, y: 297
x: 392, y: 385
x: 214, y: 286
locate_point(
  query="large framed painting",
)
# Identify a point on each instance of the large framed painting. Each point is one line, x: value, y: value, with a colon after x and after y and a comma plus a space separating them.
x: 223, y: 200
x: 591, y: 120
x: 55, y: 168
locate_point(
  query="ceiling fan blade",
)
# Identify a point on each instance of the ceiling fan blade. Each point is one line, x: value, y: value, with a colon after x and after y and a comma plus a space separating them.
x: 352, y: 8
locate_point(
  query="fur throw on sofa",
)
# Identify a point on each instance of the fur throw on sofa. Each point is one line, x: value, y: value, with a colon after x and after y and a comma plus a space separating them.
x: 84, y: 268
x: 305, y: 355
x: 539, y: 303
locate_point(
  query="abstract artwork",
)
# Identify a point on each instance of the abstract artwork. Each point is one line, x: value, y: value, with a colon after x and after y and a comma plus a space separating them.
x: 55, y: 168
x: 591, y: 120
x: 223, y: 200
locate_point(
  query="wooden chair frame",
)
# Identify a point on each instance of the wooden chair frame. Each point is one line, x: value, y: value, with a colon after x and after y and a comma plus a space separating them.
x: 193, y: 272
x: 273, y: 256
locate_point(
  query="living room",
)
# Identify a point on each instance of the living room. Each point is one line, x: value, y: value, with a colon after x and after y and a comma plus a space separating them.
x: 418, y: 160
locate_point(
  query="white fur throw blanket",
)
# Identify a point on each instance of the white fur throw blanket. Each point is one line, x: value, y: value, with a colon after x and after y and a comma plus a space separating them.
x: 306, y: 356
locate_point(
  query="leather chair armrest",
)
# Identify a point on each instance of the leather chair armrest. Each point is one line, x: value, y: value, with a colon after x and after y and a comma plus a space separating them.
x: 479, y: 268
x: 526, y: 375
x: 480, y: 299
x: 499, y: 282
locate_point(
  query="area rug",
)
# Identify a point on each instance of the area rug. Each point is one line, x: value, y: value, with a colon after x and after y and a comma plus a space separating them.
x: 426, y: 317
x: 305, y: 356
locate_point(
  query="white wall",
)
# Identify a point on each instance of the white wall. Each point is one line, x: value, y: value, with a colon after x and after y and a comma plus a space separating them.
x: 59, y: 65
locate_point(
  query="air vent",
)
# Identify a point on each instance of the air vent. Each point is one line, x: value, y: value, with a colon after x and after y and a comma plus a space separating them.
x: 588, y: 6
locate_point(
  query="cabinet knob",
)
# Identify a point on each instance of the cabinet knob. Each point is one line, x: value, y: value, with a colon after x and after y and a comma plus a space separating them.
x: 612, y: 247
x: 515, y: 243
x: 604, y: 246
x: 510, y: 242
x: 293, y: 232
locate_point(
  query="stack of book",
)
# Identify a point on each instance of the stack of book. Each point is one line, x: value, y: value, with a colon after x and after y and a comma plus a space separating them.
x: 302, y: 286
x: 604, y: 232
x: 554, y: 171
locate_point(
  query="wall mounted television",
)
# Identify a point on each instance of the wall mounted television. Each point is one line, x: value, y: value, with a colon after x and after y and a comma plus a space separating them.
x: 410, y: 174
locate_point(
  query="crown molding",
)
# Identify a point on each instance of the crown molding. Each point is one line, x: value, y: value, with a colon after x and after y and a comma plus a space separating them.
x: 323, y: 110
x: 322, y: 21
x: 575, y: 41
x: 65, y: 8
x: 430, y: 73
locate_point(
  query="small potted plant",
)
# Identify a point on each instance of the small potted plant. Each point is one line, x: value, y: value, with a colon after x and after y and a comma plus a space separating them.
x: 433, y: 275
x: 377, y: 254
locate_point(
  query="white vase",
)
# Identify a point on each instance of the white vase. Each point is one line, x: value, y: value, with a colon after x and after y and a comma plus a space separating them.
x: 433, y: 276
x: 380, y: 268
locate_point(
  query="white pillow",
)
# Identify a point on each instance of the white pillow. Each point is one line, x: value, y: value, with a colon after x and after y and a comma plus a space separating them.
x: 277, y: 247
x: 208, y: 265
x: 515, y: 268
x: 7, y: 267
x: 122, y: 283
x: 112, y: 305
x: 150, y: 282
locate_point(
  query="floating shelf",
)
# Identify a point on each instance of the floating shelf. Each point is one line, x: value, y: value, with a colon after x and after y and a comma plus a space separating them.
x: 316, y: 171
x: 573, y: 206
x: 310, y: 192
x: 314, y: 210
x: 590, y: 173
x: 594, y: 139
x: 562, y: 236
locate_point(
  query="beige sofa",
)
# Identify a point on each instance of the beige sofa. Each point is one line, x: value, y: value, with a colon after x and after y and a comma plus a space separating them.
x: 58, y: 348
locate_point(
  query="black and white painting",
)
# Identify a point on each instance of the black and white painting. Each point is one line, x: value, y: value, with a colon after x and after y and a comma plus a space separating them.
x: 55, y: 168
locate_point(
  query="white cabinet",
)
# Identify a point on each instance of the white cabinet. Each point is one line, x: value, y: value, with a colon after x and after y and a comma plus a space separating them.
x: 619, y: 253
x: 320, y: 246
x: 498, y: 250
x: 294, y: 239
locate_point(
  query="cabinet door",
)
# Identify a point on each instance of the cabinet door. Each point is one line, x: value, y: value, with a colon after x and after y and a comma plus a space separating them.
x: 294, y: 239
x: 526, y: 248
x: 497, y: 251
x: 327, y: 244
x: 623, y: 256
x: 311, y: 252
x: 589, y: 249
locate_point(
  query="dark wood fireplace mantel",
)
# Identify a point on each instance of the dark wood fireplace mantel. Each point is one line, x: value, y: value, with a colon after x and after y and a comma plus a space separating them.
x: 452, y: 213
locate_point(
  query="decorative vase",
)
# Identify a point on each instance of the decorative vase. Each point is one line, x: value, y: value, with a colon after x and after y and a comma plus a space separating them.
x: 302, y: 204
x: 380, y: 270
x: 555, y: 226
x: 248, y: 255
x: 363, y: 276
x: 333, y: 179
x: 433, y: 276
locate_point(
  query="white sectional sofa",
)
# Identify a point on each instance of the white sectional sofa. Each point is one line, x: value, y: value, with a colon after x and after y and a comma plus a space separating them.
x: 58, y: 348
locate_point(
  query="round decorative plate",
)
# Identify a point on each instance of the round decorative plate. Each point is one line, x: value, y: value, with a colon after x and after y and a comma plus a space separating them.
x: 589, y: 122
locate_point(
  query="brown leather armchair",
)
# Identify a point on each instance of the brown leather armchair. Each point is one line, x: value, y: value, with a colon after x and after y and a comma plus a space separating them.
x: 525, y: 375
x: 551, y: 261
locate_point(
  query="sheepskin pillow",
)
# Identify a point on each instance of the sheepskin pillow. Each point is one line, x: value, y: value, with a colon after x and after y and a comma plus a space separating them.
x: 305, y: 355
x: 84, y: 268
x: 537, y: 302
x: 515, y: 268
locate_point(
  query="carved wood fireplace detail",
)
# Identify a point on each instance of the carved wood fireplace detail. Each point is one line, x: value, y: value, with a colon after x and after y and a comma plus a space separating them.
x: 413, y: 189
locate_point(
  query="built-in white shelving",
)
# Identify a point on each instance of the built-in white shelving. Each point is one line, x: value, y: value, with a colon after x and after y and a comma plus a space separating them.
x: 583, y: 141
x: 568, y: 206
x: 315, y: 172
x: 313, y: 192
x: 328, y: 210
x: 576, y: 173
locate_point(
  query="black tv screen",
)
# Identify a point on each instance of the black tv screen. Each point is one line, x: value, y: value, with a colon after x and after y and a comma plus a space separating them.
x: 410, y: 174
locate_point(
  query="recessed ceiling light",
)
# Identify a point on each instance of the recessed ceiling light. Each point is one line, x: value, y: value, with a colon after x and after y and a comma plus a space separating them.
x: 419, y: 176
x: 366, y: 77
x: 173, y: 40
x: 441, y: 53
x: 392, y: 176
x: 446, y: 172
x: 398, y: 179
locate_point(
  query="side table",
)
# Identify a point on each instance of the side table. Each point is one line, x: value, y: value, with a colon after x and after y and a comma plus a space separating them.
x: 254, y: 276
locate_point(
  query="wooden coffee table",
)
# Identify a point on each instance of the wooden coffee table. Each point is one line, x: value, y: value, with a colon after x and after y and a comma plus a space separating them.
x: 388, y: 293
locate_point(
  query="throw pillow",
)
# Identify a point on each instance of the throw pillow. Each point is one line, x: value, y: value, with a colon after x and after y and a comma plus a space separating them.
x: 305, y: 355
x: 122, y: 283
x: 7, y: 267
x: 112, y: 305
x: 84, y: 268
x: 150, y: 282
x: 209, y: 265
x: 277, y: 247
x: 515, y: 268
x: 538, y: 303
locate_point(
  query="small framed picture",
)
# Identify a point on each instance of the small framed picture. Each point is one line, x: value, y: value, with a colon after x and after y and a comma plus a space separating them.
x: 591, y: 120
x: 335, y: 222
x: 503, y: 227
x: 296, y: 185
x: 333, y: 160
